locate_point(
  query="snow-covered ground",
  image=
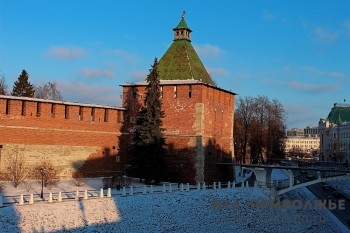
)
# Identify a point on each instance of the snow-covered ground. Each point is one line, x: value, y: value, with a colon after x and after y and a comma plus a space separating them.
x: 220, y: 210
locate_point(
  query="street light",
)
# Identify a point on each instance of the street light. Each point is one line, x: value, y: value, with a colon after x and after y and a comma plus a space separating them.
x: 42, y: 173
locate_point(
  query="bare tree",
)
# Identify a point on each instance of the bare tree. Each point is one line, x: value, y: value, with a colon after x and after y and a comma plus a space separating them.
x: 3, y: 86
x: 16, y: 171
x: 259, y: 129
x: 48, y: 91
x: 48, y: 172
x: 244, y: 120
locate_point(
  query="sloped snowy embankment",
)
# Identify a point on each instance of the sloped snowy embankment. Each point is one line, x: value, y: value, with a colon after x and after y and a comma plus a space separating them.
x: 225, y: 210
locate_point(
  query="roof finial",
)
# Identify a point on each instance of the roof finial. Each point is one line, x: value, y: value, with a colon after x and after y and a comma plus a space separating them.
x: 183, y: 14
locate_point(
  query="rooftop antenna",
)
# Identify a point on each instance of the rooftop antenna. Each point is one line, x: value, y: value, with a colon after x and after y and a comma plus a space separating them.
x: 183, y: 14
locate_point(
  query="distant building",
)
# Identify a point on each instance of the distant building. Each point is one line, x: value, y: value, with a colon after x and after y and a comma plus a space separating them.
x: 302, y: 141
x: 335, y: 134
x: 304, y: 145
x: 311, y: 132
x: 295, y: 132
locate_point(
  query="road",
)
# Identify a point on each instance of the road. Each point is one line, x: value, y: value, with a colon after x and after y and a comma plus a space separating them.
x: 343, y: 214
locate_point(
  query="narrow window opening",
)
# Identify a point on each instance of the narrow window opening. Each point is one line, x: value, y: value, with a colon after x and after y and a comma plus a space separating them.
x: 53, y: 107
x: 190, y: 91
x: 66, y: 112
x: 106, y: 115
x: 23, y: 110
x: 80, y: 113
x: 38, y: 109
x: 93, y: 114
x: 134, y: 92
x: 7, y: 107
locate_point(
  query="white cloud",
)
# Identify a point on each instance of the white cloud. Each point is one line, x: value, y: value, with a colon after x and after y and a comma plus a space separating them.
x: 139, y: 76
x: 218, y: 71
x: 123, y: 54
x: 97, y: 73
x: 94, y: 94
x: 312, y: 88
x: 66, y: 52
x: 323, y: 35
x: 347, y: 27
x: 208, y: 50
x: 266, y: 15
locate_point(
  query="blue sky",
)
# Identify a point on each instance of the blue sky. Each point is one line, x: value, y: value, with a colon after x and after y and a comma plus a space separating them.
x: 297, y: 52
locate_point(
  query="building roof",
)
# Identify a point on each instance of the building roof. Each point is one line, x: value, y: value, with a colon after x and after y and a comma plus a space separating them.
x: 180, y: 61
x: 178, y: 82
x: 339, y: 114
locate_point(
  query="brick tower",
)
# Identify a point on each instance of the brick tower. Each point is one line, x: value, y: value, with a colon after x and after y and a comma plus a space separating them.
x: 199, y: 116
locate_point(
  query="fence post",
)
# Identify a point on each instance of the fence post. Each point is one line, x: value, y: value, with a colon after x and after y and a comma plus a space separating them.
x: 85, y: 195
x: 164, y: 190
x: 233, y: 184
x: 181, y: 187
x: 187, y: 187
x: 21, y: 201
x: 131, y: 190
x: 151, y: 189
x: 242, y: 184
x: 198, y: 186
x: 228, y: 184
x: 50, y: 198
x: 101, y: 193
x: 144, y: 189
x: 246, y: 184
x: 204, y: 187
x: 59, y: 196
x: 214, y: 185
x: 219, y: 185
x: 170, y: 189
x: 109, y: 193
x: 124, y: 192
x: 77, y: 196
x: 31, y: 199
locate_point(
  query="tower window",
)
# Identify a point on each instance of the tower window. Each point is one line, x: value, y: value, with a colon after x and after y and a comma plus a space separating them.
x: 80, y: 113
x: 66, y: 112
x: 93, y: 114
x: 23, y: 110
x: 38, y: 109
x: 190, y: 91
x: 7, y: 107
x: 106, y: 115
x: 53, y: 107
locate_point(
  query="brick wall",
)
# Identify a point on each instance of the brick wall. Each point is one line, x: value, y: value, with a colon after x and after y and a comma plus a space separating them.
x: 55, y: 130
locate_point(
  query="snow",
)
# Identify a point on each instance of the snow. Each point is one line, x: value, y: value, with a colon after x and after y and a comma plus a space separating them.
x: 220, y: 210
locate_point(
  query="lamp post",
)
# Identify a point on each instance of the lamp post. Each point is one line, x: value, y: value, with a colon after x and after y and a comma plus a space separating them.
x: 42, y: 173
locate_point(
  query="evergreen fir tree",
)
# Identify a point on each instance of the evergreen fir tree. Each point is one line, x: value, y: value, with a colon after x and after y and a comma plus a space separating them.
x: 149, y: 139
x: 22, y: 86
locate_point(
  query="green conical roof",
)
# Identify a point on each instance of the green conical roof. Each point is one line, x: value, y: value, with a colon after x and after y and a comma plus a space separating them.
x: 182, y: 24
x: 339, y: 114
x: 181, y: 62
